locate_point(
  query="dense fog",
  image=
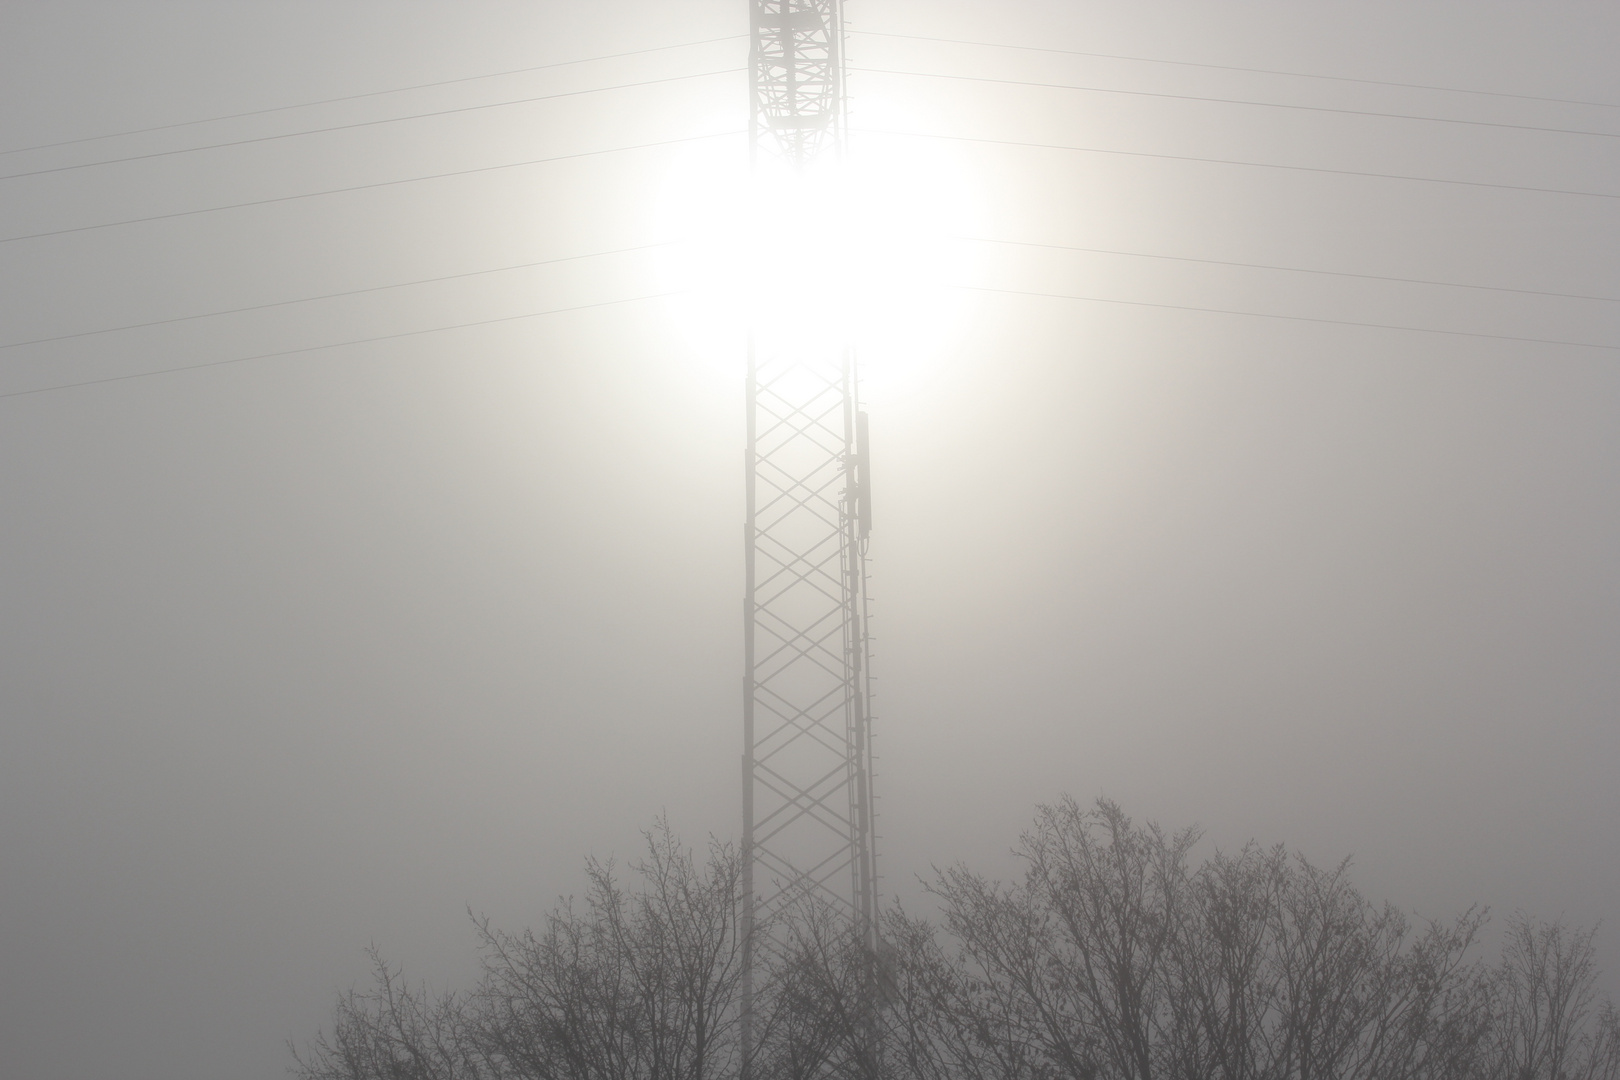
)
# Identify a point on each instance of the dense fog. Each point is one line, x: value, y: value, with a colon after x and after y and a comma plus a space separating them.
x: 1278, y: 494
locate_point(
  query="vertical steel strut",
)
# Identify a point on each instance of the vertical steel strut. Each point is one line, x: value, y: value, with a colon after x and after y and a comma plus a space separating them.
x: 807, y: 791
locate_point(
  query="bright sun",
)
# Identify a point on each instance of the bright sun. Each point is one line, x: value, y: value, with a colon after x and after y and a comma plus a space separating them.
x: 863, y: 252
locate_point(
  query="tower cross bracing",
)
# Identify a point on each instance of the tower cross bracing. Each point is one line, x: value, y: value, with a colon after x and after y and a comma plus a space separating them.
x: 807, y: 795
x: 808, y: 821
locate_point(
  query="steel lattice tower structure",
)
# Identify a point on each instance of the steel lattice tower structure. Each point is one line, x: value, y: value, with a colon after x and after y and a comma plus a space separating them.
x: 807, y: 793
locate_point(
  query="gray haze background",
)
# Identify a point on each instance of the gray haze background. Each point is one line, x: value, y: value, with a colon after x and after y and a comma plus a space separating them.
x: 312, y: 652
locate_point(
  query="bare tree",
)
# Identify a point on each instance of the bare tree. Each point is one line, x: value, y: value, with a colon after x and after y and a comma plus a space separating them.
x: 1113, y: 958
x: 1011, y: 999
x: 819, y: 997
x: 1227, y: 986
x: 943, y: 1020
x: 1332, y: 956
x: 394, y: 1032
x: 630, y: 984
x: 1073, y: 962
x: 1549, y: 1022
x: 638, y: 986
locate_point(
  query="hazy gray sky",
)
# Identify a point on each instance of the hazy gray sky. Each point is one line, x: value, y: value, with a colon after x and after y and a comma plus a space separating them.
x: 319, y: 650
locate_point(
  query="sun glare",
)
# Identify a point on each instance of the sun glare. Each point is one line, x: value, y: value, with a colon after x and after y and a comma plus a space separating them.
x: 863, y: 251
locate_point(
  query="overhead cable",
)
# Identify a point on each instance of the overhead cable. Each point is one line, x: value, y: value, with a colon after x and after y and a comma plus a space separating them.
x: 1248, y: 70
x: 736, y: 37
x: 1293, y: 269
x: 665, y: 243
x: 365, y: 187
x: 677, y: 292
x: 1241, y: 101
x: 333, y: 345
x: 369, y: 123
x: 335, y: 295
x: 1245, y: 164
x: 370, y: 94
x: 1289, y: 318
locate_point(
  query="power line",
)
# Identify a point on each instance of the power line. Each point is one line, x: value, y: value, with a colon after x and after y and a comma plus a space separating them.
x: 1289, y: 318
x: 1294, y: 269
x: 333, y: 345
x: 1242, y: 101
x: 677, y: 292
x: 368, y: 94
x: 1246, y: 164
x: 665, y: 243
x: 1249, y: 70
x: 865, y: 70
x: 368, y: 123
x: 735, y: 37
x: 333, y: 295
x: 365, y: 187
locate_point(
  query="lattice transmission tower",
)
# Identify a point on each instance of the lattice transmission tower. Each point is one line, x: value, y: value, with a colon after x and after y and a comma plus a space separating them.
x: 807, y: 776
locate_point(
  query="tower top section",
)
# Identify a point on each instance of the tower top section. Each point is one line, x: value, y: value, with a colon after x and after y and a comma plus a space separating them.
x: 796, y: 66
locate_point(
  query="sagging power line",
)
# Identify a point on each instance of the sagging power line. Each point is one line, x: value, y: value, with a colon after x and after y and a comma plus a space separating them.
x: 1529, y: 188
x: 336, y: 295
x: 1290, y: 318
x: 367, y: 94
x: 367, y: 187
x: 1291, y: 269
x: 1245, y: 70
x: 371, y: 123
x: 335, y: 345
x: 1371, y: 113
